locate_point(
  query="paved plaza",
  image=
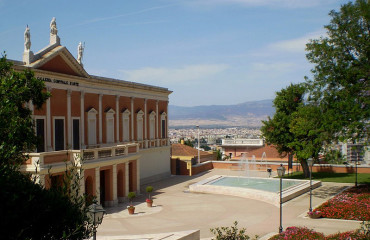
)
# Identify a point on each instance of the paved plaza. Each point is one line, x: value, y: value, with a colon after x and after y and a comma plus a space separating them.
x: 177, y: 210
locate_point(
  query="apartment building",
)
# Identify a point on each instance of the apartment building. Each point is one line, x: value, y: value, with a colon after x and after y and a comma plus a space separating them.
x: 116, y: 131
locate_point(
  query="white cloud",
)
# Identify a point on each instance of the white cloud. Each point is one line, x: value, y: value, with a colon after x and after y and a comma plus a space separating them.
x: 266, y: 3
x: 289, y: 46
x: 297, y: 44
x: 164, y: 76
x: 277, y: 67
x: 101, y: 19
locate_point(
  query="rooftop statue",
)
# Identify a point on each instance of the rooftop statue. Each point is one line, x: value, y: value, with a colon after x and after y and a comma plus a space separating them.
x: 27, y: 39
x: 80, y: 50
x: 53, y: 27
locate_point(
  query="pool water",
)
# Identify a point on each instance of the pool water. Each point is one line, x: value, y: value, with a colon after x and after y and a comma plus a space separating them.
x: 265, y: 184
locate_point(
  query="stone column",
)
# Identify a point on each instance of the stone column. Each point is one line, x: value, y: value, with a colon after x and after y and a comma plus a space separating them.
x: 132, y: 119
x: 69, y: 120
x: 114, y: 177
x: 127, y: 179
x: 82, y: 109
x: 48, y: 124
x: 100, y: 119
x: 138, y: 175
x: 97, y: 184
x: 117, y: 119
x: 156, y: 123
x: 145, y: 124
x: 166, y: 130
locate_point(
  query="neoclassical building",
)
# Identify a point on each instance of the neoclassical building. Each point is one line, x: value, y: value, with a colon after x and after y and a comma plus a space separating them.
x: 115, y: 130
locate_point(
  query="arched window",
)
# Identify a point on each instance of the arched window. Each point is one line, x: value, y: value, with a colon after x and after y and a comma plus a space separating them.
x: 110, y: 125
x: 140, y: 124
x: 152, y: 125
x: 126, y: 125
x: 163, y: 125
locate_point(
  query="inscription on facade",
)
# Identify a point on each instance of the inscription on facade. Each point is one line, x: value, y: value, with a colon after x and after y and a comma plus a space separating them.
x: 45, y: 79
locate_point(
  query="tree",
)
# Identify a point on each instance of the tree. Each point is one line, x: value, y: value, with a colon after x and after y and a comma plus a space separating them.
x: 340, y: 84
x: 295, y: 127
x: 276, y: 130
x: 17, y: 134
x: 218, y: 154
x: 306, y: 127
x: 28, y: 210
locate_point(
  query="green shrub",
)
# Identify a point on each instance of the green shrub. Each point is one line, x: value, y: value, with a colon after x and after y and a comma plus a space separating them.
x: 149, y: 189
x: 30, y: 211
x: 131, y: 196
x: 230, y: 233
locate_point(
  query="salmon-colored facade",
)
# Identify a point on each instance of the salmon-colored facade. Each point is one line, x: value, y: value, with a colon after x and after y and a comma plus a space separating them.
x: 109, y: 128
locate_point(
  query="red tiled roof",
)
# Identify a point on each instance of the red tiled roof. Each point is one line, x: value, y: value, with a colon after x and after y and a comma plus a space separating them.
x: 269, y: 150
x: 178, y: 149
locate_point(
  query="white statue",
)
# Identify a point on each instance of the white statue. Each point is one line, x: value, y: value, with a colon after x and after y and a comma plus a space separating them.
x: 53, y: 27
x: 27, y: 39
x: 80, y: 53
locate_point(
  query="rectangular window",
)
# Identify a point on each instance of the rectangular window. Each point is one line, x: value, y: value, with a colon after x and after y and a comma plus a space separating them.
x: 40, y: 133
x: 76, y: 134
x: 59, y: 134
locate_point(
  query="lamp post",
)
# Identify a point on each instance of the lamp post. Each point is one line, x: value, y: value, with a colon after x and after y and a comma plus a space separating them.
x: 356, y: 167
x: 96, y: 213
x: 310, y: 163
x: 281, y: 172
x: 198, y: 145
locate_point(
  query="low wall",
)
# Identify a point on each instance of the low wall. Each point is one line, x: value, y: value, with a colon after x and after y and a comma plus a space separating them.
x: 201, y: 167
x: 233, y: 165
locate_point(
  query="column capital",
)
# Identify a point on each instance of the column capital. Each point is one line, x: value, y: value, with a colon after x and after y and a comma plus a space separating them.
x: 69, y: 92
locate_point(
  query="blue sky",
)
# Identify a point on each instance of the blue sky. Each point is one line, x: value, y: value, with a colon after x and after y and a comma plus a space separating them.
x: 208, y: 52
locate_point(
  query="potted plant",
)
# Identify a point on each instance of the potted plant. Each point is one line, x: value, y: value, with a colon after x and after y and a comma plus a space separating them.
x: 149, y: 200
x: 315, y: 214
x: 131, y: 208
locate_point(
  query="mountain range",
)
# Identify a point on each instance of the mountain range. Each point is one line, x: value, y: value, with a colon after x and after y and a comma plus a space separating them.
x: 247, y: 114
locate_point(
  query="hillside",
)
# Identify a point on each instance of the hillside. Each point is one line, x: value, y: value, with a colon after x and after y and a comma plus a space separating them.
x: 247, y: 114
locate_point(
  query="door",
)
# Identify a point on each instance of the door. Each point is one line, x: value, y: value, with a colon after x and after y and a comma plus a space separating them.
x: 40, y: 133
x: 59, y: 134
x: 76, y: 134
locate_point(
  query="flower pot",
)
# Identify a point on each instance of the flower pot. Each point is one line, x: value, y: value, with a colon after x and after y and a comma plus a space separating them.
x: 131, y: 210
x: 149, y: 203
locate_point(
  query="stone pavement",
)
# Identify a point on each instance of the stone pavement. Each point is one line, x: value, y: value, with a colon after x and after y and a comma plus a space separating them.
x: 177, y: 210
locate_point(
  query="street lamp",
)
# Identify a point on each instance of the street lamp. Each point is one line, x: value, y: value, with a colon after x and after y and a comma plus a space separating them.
x: 198, y: 145
x: 281, y: 172
x: 356, y: 167
x: 96, y: 213
x: 310, y: 163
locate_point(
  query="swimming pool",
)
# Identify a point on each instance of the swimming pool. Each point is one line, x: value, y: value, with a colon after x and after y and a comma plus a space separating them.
x: 265, y: 184
x: 262, y: 189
